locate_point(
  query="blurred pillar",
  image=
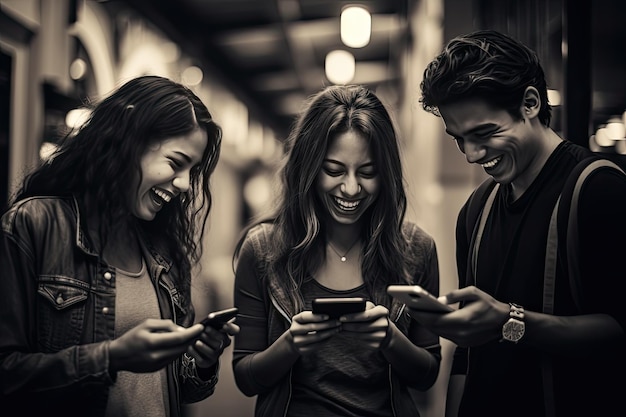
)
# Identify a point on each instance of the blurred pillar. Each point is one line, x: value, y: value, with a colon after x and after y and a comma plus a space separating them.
x: 577, y: 70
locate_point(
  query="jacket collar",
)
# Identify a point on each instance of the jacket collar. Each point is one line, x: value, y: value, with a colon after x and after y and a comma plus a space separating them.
x: 85, y: 243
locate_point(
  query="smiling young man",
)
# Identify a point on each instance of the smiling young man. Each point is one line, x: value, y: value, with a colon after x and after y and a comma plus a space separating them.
x: 518, y: 355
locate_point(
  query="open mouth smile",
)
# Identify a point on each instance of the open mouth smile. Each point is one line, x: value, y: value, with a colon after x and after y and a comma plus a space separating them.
x: 346, y: 205
x: 161, y: 197
x: 492, y: 163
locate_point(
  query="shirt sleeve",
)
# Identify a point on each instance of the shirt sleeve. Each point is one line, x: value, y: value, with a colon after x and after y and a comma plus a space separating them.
x: 429, y: 280
x: 196, y: 387
x: 25, y: 366
x: 251, y: 300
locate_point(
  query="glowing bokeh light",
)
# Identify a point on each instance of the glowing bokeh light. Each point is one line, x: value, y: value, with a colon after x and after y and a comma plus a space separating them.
x: 192, y: 76
x: 340, y: 67
x: 356, y: 26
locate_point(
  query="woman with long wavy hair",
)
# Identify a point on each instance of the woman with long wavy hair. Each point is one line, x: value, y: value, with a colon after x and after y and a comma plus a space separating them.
x: 338, y: 230
x: 97, y: 250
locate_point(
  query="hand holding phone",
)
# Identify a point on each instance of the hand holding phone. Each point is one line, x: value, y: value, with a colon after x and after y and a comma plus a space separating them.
x: 417, y: 298
x: 337, y: 307
x: 217, y: 319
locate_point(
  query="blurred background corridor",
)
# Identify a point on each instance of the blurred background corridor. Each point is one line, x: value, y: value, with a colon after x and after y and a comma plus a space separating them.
x: 254, y: 62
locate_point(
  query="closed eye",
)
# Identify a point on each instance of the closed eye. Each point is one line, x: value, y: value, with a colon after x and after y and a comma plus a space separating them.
x: 176, y: 163
x: 333, y: 172
x: 368, y: 173
x: 484, y: 135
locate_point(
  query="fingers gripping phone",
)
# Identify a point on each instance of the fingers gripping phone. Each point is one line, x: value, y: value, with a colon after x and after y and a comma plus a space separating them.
x: 337, y: 307
x: 217, y: 319
x: 417, y: 298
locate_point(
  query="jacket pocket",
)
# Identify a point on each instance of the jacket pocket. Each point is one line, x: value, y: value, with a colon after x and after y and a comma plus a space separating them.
x: 61, y: 312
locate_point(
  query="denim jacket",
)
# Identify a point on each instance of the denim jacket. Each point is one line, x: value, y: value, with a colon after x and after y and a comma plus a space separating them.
x: 252, y: 265
x: 57, y: 310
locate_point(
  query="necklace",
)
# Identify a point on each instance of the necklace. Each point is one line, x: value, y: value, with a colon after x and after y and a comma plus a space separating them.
x: 342, y: 257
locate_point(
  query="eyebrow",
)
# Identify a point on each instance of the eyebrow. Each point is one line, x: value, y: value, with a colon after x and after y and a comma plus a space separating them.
x: 333, y: 161
x: 184, y: 156
x: 486, y: 126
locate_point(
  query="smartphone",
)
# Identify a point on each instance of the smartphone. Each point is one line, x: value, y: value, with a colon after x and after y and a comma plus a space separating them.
x: 417, y: 298
x: 217, y: 319
x: 336, y: 307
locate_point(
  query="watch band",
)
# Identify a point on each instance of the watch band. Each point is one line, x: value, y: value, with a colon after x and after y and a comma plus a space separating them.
x: 514, y: 328
x: 516, y: 311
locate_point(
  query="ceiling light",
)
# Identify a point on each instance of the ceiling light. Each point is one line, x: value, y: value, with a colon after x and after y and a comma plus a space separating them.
x: 554, y: 97
x: 75, y: 118
x: 46, y: 150
x: 616, y: 129
x: 602, y: 137
x: 356, y: 26
x: 340, y: 67
x: 192, y: 75
x: 78, y: 69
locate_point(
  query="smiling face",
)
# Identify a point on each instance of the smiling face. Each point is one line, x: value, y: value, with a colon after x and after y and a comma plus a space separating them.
x: 506, y: 148
x: 348, y: 183
x: 166, y: 168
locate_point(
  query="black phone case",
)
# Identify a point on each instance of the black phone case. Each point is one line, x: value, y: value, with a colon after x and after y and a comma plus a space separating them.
x: 336, y: 307
x: 420, y: 300
x: 217, y: 318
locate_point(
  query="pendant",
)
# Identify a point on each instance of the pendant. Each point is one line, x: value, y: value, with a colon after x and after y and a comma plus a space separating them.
x: 343, y: 259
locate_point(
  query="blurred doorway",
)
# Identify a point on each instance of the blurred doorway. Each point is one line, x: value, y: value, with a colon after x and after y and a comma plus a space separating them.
x: 6, y: 64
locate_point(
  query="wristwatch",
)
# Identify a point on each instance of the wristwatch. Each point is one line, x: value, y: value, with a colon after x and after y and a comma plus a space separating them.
x: 513, y: 329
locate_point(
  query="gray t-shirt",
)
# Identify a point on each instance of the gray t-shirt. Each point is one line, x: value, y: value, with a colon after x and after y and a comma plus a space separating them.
x: 136, y: 394
x: 342, y: 378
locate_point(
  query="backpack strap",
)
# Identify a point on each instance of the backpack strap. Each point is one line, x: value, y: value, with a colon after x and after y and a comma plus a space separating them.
x: 549, y: 277
x: 475, y: 204
x: 549, y: 273
x: 474, y: 216
x: 479, y: 228
x: 572, y: 248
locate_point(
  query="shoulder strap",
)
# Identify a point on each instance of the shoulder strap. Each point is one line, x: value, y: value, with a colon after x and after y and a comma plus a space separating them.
x: 572, y: 246
x: 475, y: 205
x: 473, y: 216
x: 572, y: 253
x: 549, y: 276
x: 572, y: 242
x: 479, y: 228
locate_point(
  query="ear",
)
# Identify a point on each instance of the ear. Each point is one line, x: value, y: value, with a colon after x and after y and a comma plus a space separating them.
x: 531, y: 103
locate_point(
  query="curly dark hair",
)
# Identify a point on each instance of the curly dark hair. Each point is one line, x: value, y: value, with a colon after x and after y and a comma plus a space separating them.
x: 488, y: 65
x: 98, y: 161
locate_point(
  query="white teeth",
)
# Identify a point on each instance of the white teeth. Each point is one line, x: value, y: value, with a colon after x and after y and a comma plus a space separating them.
x: 347, y: 205
x: 492, y: 163
x: 163, y: 195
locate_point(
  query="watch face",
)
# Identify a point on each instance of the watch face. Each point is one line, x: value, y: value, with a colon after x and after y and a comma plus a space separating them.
x: 513, y: 330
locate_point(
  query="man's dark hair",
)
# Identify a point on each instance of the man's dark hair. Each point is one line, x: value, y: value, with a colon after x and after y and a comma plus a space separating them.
x: 487, y: 65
